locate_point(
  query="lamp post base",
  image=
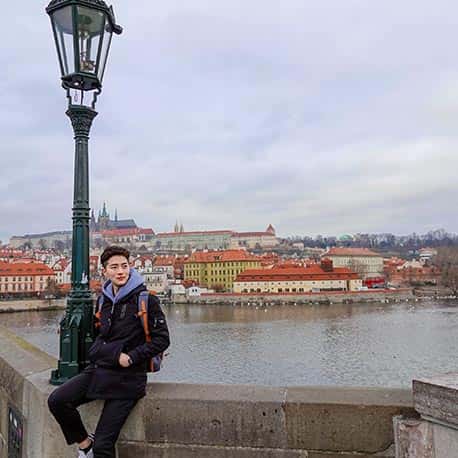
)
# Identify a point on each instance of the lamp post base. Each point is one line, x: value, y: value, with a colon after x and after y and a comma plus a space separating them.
x: 75, y: 337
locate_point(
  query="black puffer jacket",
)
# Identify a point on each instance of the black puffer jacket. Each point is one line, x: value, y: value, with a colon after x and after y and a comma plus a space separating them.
x: 121, y: 330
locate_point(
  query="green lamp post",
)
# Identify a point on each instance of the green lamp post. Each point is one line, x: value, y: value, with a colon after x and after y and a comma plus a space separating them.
x: 82, y: 31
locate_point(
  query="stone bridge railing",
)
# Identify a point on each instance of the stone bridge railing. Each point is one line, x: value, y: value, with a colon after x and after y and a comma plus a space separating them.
x: 205, y: 421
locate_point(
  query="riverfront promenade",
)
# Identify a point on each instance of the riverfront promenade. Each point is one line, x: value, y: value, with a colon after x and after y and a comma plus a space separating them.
x: 337, y: 297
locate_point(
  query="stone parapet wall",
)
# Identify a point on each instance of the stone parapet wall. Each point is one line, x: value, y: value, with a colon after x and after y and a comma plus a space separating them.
x: 208, y: 421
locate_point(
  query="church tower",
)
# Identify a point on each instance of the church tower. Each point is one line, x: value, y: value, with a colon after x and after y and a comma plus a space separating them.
x: 270, y: 229
x: 104, y: 218
x: 92, y: 222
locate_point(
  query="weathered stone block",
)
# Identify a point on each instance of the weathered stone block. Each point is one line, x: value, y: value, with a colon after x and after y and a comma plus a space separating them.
x: 386, y: 454
x: 3, y: 419
x: 134, y: 429
x: 343, y: 419
x: 248, y: 416
x: 129, y: 450
x: 437, y: 398
x: 445, y: 442
x: 19, y: 359
x: 44, y: 437
x: 413, y: 438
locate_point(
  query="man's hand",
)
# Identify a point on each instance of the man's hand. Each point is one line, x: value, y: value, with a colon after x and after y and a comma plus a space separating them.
x: 124, y: 360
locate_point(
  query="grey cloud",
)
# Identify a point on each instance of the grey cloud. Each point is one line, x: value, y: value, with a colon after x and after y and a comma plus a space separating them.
x: 326, y: 117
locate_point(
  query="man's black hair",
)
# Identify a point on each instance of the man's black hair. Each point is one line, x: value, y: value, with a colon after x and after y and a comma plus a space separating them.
x: 111, y: 251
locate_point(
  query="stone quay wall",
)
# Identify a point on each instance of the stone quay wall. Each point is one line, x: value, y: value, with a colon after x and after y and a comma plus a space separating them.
x: 336, y: 297
x: 204, y: 421
x: 31, y: 305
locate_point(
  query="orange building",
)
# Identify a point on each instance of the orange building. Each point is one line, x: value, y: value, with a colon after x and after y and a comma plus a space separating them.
x: 24, y: 278
x: 298, y: 279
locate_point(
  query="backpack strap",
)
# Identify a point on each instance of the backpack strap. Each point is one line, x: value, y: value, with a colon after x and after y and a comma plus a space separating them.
x: 98, y: 311
x: 143, y: 299
x: 154, y: 364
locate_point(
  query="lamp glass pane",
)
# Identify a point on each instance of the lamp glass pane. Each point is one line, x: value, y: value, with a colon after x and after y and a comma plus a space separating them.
x: 105, y: 49
x: 90, y: 27
x: 63, y: 28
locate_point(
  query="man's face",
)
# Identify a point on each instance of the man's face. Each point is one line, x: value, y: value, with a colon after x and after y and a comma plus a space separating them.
x: 117, y: 270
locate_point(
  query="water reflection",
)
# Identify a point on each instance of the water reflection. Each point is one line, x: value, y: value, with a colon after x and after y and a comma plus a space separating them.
x: 364, y: 344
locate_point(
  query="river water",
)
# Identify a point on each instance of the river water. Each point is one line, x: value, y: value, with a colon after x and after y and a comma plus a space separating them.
x: 358, y: 344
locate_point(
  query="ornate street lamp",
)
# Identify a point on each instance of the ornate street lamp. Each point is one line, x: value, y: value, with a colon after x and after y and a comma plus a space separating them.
x: 82, y: 30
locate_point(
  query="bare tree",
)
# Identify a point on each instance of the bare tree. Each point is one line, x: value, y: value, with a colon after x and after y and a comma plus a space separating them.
x: 447, y: 261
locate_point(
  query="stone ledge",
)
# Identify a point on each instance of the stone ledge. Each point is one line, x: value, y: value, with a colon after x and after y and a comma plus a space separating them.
x: 281, y: 422
x: 418, y: 438
x: 343, y: 419
x: 132, y: 449
x: 436, y: 399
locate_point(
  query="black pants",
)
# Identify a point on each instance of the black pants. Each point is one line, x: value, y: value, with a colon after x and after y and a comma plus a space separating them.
x: 63, y: 403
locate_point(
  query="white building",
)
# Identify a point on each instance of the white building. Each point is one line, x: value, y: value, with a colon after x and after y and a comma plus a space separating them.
x: 363, y: 261
x: 250, y: 240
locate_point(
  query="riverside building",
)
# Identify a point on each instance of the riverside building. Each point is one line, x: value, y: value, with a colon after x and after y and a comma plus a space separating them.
x: 218, y: 269
x: 363, y: 261
x: 24, y: 278
x: 180, y: 240
x: 297, y: 279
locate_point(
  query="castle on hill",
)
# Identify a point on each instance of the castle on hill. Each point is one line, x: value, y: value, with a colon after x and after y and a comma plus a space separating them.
x: 104, y: 221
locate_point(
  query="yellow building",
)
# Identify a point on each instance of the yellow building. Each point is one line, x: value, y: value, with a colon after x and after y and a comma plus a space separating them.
x: 218, y: 269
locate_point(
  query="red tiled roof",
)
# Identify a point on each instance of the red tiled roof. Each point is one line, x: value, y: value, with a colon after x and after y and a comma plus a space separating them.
x: 61, y: 264
x: 20, y: 269
x: 123, y: 232
x: 23, y: 260
x: 221, y: 256
x: 296, y: 273
x: 351, y: 252
x: 252, y: 234
x: 165, y: 261
x: 178, y: 234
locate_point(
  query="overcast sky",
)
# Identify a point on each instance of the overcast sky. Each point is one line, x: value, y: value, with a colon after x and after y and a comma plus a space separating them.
x: 331, y: 117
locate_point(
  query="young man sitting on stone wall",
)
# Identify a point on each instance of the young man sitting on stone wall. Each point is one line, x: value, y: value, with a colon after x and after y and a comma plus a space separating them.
x: 119, y: 358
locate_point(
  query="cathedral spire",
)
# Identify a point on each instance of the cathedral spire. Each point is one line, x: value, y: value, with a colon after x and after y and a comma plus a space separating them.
x: 176, y: 228
x: 104, y: 211
x: 116, y: 214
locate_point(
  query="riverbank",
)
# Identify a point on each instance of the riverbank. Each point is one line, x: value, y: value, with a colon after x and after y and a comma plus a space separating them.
x: 31, y: 305
x: 326, y: 298
x: 329, y: 297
